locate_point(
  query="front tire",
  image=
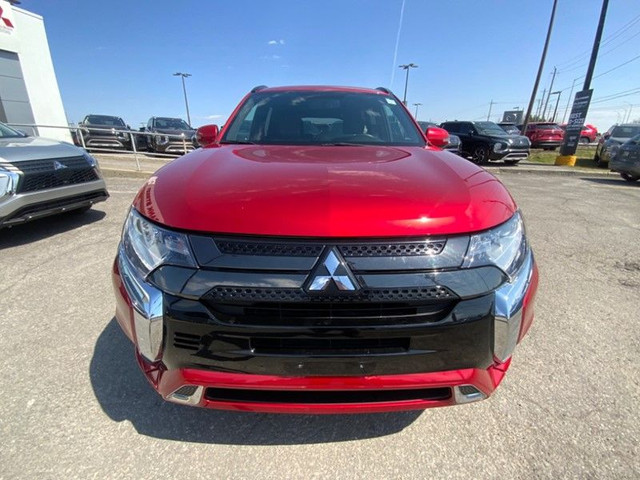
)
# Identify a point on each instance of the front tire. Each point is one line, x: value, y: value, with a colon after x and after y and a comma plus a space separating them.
x: 584, y: 140
x: 629, y: 178
x: 511, y: 162
x: 480, y: 155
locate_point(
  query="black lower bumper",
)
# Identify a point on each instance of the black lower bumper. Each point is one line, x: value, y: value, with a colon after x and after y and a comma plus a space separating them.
x: 462, y: 338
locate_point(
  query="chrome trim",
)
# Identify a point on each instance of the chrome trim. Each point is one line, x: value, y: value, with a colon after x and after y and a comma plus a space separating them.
x: 148, y: 309
x: 187, y: 400
x: 467, y: 398
x: 332, y: 267
x: 509, y: 301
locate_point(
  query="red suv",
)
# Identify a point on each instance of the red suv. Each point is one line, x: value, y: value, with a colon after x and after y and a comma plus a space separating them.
x: 320, y: 254
x: 545, y: 135
x: 589, y: 133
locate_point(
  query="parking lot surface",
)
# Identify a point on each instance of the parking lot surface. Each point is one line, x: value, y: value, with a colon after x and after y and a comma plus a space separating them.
x: 73, y: 403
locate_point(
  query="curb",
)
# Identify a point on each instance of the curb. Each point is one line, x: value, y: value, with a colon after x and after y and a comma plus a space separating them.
x: 566, y: 172
x: 113, y: 172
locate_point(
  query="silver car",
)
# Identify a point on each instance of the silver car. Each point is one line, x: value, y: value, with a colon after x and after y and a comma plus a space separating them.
x: 41, y: 177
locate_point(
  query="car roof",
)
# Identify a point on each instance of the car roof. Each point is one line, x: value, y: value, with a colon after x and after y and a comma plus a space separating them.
x: 322, y: 88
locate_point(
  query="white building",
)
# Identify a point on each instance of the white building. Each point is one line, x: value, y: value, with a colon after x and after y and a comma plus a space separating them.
x: 29, y: 91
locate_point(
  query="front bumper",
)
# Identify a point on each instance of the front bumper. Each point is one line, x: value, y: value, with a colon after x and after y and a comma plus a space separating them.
x: 459, y: 360
x: 23, y: 207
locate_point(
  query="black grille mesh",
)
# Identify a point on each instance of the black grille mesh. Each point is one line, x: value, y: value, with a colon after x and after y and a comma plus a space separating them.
x: 393, y: 249
x: 42, y: 174
x: 268, y: 249
x: 241, y: 294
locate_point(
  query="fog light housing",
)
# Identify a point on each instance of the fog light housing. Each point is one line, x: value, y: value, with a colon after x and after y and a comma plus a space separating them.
x: 467, y: 394
x: 187, y: 394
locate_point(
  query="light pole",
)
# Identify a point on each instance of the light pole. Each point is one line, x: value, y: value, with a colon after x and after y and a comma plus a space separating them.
x: 406, y: 82
x: 416, y: 105
x: 184, y: 90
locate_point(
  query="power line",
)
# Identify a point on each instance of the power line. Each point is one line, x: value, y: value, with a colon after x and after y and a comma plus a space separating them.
x: 613, y: 36
x: 604, y: 73
x: 615, y: 96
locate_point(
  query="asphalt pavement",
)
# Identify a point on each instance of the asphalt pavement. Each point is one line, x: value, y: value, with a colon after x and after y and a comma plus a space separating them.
x: 73, y: 403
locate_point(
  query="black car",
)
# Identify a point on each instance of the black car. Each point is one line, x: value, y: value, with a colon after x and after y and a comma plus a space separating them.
x: 484, y: 141
x: 170, y: 135
x: 104, y: 131
x: 614, y: 137
x: 454, y: 140
x: 625, y: 159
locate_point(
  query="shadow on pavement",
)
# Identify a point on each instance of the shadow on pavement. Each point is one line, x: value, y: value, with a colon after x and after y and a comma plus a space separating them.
x: 124, y: 394
x: 616, y: 182
x: 47, y: 227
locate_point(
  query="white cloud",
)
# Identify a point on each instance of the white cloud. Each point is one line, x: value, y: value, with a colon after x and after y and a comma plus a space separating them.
x: 276, y: 42
x: 270, y: 57
x: 213, y: 117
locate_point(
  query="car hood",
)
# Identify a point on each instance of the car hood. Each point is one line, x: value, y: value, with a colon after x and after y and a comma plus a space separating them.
x: 322, y: 191
x: 617, y: 140
x: 35, y: 148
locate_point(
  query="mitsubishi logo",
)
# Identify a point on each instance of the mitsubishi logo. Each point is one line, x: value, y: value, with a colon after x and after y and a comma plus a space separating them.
x: 332, y: 272
x: 58, y: 166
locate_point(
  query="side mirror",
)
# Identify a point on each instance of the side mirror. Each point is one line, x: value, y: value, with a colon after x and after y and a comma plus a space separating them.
x: 606, y: 136
x: 438, y: 137
x: 207, y: 135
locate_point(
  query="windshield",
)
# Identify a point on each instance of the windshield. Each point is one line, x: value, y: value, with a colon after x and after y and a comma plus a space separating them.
x: 322, y: 118
x: 105, y: 120
x: 627, y: 131
x: 172, y: 123
x: 489, y: 128
x: 7, y: 132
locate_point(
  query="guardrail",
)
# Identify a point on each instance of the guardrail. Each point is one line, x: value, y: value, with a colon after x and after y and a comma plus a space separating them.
x: 78, y: 139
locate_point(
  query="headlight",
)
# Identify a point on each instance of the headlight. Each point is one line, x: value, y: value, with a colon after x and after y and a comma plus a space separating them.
x: 162, y: 139
x: 504, y: 246
x: 499, y: 146
x: 92, y: 161
x: 8, y: 182
x: 148, y: 246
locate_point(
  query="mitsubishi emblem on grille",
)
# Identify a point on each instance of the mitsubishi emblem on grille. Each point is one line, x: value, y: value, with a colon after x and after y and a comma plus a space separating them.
x: 58, y: 166
x: 332, y: 270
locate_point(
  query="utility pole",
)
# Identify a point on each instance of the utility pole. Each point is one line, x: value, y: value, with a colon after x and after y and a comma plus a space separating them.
x: 581, y: 102
x: 406, y: 82
x: 540, y: 68
x: 490, y: 105
x: 569, y: 99
x: 540, y: 100
x: 555, y: 111
x: 544, y: 113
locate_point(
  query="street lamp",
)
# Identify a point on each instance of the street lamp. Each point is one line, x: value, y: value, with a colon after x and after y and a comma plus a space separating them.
x: 406, y: 82
x: 416, y: 105
x: 184, y: 90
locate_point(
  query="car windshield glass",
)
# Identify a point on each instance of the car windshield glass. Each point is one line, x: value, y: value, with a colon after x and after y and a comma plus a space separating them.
x: 626, y: 131
x: 173, y: 123
x: 489, y: 128
x: 105, y: 120
x: 7, y: 132
x: 323, y: 118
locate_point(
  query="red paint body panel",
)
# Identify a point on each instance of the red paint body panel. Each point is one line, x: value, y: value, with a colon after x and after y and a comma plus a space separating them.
x: 528, y: 304
x: 313, y: 191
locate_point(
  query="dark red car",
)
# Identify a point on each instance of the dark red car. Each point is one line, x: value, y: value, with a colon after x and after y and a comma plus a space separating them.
x: 589, y: 133
x: 320, y: 254
x: 545, y: 135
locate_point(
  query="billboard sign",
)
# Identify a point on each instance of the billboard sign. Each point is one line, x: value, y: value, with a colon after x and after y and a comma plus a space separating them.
x: 576, y: 122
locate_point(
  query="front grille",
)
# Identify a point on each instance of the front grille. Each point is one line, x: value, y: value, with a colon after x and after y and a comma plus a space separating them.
x: 324, y: 397
x: 235, y: 247
x: 331, y: 346
x: 393, y: 249
x: 289, y: 307
x: 42, y: 174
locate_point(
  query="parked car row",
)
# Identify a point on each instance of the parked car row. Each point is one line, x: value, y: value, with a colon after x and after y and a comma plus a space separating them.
x: 549, y: 135
x: 163, y: 134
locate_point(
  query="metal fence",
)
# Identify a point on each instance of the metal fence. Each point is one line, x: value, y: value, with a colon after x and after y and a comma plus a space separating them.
x: 136, y: 139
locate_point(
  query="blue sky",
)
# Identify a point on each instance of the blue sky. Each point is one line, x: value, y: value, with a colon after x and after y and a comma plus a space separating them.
x: 118, y: 57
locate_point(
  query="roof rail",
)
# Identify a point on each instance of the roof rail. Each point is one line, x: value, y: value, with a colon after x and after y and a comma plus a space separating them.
x: 258, y: 88
x: 385, y: 90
